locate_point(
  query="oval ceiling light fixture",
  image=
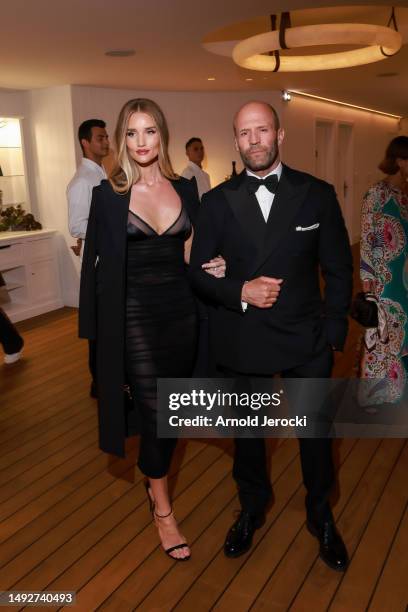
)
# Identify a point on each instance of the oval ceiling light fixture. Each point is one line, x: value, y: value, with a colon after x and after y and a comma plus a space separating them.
x: 337, y: 37
x: 120, y: 52
x: 379, y: 43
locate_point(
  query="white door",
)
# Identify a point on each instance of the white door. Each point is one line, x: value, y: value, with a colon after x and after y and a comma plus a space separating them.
x: 345, y: 172
x: 324, y: 150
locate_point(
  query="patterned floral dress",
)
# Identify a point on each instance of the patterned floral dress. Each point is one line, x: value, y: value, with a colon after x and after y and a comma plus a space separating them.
x: 384, y: 251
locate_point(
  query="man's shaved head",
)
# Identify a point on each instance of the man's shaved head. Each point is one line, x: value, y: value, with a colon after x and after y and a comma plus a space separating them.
x: 258, y: 136
x: 253, y: 106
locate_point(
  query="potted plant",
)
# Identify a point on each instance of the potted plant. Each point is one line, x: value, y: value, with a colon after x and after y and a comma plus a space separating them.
x: 15, y: 218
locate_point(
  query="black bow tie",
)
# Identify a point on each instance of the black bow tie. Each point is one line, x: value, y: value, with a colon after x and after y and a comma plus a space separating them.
x: 270, y: 182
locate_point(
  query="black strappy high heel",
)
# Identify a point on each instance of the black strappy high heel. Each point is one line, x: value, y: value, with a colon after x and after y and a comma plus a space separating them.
x: 152, y: 508
x: 168, y: 551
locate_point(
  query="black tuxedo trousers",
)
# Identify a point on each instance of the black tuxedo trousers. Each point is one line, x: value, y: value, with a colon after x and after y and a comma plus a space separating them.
x: 250, y: 469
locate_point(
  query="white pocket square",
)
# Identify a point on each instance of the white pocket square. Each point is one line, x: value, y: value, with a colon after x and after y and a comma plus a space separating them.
x: 299, y: 228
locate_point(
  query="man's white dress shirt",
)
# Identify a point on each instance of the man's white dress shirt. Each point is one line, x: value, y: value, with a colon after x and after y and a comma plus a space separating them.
x: 265, y: 200
x: 202, y: 178
x: 263, y: 195
x: 79, y: 195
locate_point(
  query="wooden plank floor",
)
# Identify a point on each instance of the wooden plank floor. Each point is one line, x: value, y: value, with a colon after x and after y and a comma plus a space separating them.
x: 72, y: 518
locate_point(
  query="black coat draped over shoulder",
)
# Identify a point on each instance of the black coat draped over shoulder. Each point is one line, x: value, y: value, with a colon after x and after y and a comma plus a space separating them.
x: 102, y: 303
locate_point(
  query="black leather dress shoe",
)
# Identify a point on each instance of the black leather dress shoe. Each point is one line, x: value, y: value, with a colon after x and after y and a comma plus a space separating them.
x: 332, y: 549
x: 239, y: 537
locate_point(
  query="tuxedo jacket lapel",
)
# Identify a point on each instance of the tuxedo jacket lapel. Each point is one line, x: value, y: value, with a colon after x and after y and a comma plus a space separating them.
x: 246, y: 210
x: 286, y: 204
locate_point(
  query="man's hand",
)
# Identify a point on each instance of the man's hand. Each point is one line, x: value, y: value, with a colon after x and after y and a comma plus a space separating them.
x: 261, y: 292
x: 77, y: 248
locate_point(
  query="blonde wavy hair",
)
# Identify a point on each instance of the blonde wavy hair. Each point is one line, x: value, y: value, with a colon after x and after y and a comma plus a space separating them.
x: 126, y: 171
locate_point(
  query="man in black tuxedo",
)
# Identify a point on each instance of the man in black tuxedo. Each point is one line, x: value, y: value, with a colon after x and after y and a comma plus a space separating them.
x: 275, y: 227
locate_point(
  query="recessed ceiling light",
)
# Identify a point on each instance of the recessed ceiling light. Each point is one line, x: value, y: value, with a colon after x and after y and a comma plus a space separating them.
x: 387, y: 74
x: 249, y: 79
x: 211, y: 79
x: 120, y: 52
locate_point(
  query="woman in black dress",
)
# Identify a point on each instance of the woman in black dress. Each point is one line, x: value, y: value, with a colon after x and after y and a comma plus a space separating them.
x: 135, y: 296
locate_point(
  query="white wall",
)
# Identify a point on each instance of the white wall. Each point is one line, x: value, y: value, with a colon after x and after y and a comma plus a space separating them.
x: 52, y: 166
x: 12, y: 103
x: 53, y: 115
x: 209, y: 116
x: 372, y: 133
x: 206, y: 115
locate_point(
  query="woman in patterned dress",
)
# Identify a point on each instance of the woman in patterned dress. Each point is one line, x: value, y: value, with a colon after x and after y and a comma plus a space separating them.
x: 384, y: 272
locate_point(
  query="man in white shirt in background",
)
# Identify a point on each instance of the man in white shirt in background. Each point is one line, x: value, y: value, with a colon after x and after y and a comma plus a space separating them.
x: 94, y: 141
x: 195, y: 153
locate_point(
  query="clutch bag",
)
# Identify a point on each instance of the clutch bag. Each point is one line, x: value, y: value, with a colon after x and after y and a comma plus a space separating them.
x: 364, y: 309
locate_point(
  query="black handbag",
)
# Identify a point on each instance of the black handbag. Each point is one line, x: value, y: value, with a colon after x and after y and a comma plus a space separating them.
x: 364, y: 309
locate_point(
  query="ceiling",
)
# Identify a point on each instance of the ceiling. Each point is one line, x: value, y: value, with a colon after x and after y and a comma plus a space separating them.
x: 50, y: 42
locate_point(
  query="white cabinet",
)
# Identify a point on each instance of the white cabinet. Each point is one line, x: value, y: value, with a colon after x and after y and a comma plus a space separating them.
x: 42, y: 281
x: 29, y: 269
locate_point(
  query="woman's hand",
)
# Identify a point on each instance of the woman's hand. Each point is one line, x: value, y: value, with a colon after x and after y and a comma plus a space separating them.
x: 216, y: 267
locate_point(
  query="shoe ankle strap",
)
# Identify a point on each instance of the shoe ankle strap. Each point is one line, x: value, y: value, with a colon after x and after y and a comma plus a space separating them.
x: 160, y: 516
